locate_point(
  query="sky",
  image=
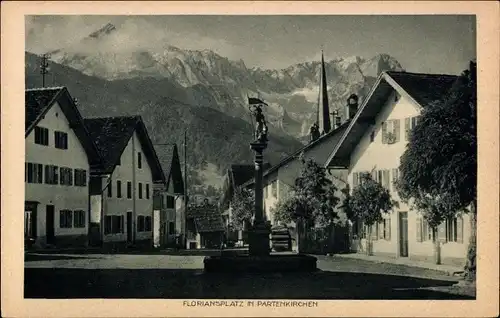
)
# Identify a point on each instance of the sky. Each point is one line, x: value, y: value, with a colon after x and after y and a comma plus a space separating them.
x: 421, y: 43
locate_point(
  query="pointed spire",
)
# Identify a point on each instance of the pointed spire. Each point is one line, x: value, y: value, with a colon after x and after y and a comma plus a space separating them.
x: 323, y: 113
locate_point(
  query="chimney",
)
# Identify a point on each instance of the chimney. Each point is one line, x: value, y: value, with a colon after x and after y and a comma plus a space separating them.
x: 352, y: 106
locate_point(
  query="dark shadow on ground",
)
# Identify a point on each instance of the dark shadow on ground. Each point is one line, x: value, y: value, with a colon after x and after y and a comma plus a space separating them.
x: 194, y: 284
x: 133, y: 251
x: 30, y: 257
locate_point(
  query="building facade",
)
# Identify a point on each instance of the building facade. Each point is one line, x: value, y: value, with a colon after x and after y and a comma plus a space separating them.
x: 59, y: 157
x: 122, y: 191
x: 169, y: 199
x: 374, y: 143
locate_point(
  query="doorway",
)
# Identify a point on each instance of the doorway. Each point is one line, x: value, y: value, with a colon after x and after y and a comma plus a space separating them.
x: 403, y: 234
x: 129, y: 227
x: 49, y: 224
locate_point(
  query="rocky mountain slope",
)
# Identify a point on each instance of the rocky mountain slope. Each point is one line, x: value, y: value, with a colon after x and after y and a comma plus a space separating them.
x: 209, y: 79
x: 215, y: 139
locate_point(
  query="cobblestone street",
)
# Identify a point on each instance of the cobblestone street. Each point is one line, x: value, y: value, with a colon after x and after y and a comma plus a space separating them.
x: 181, y: 276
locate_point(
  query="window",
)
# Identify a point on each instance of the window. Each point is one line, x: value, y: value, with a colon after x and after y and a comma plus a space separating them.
x: 372, y: 136
x: 170, y: 202
x: 454, y: 229
x: 118, y: 189
x: 410, y: 123
x: 119, y: 162
x: 357, y: 177
x: 385, y: 229
x: 390, y: 131
x: 114, y: 224
x: 139, y: 160
x: 80, y: 177
x: 79, y: 219
x: 147, y: 191
x: 66, y: 177
x: 41, y: 136
x: 140, y: 223
x: 34, y: 172
x: 28, y: 224
x: 424, y: 231
x: 61, y: 140
x: 171, y: 228
x: 147, y: 224
x: 65, y: 219
x: 396, y: 97
x: 140, y: 190
x: 129, y: 190
x: 110, y: 189
x: 51, y: 174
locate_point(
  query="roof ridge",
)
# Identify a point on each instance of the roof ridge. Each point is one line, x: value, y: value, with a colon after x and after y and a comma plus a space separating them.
x: 35, y: 89
x: 421, y: 74
x: 115, y: 117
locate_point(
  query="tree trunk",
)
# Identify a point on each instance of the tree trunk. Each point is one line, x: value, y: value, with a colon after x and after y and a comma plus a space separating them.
x: 470, y: 266
x: 437, y: 246
x: 369, y: 248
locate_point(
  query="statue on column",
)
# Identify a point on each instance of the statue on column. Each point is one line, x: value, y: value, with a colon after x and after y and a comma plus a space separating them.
x: 261, y: 125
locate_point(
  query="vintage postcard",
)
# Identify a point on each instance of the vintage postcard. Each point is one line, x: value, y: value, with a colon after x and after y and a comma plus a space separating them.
x: 250, y: 159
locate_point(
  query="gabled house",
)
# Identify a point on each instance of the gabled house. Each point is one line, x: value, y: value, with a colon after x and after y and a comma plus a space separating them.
x: 204, y: 226
x: 374, y: 142
x: 59, y: 156
x: 122, y: 189
x: 235, y: 177
x: 169, y: 198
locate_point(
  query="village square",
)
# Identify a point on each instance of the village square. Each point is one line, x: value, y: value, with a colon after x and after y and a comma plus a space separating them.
x: 377, y: 202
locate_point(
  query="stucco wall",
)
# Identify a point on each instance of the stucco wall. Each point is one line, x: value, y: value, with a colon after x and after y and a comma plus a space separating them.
x: 125, y: 173
x: 61, y: 196
x: 370, y: 155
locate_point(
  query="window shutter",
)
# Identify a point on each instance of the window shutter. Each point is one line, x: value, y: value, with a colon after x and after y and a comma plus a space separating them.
x: 419, y: 230
x: 386, y: 181
x: 407, y: 128
x: 460, y: 229
x: 47, y: 174
x: 384, y: 132
x: 397, y: 129
x: 374, y: 175
x: 441, y: 232
x: 355, y: 179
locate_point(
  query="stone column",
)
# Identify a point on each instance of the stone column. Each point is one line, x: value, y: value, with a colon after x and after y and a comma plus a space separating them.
x: 260, y: 230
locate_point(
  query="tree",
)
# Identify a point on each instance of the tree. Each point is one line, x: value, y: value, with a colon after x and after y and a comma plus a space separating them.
x: 438, y: 170
x: 367, y: 203
x: 242, y: 208
x: 313, y: 201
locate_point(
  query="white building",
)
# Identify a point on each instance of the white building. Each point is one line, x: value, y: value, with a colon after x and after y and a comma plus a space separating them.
x: 59, y: 156
x: 122, y: 190
x: 374, y: 142
x: 169, y: 199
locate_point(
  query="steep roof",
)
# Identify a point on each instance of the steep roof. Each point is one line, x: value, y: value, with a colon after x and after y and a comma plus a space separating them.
x: 423, y: 89
x: 207, y: 218
x: 112, y: 135
x: 38, y: 101
x: 170, y: 163
x: 236, y: 175
x: 334, y: 134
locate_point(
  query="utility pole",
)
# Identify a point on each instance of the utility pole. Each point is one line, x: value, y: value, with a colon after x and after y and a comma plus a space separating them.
x: 44, y: 67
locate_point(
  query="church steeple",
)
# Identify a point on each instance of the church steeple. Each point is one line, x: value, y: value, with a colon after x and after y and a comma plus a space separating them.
x: 323, y: 113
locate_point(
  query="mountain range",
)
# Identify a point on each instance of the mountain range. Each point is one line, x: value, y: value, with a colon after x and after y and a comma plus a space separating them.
x: 174, y: 89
